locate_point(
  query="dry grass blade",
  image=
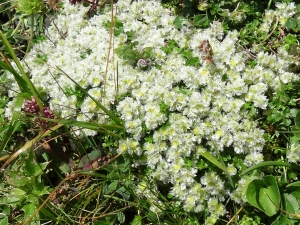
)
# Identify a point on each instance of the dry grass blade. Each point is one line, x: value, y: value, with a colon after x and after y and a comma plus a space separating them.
x: 29, y: 144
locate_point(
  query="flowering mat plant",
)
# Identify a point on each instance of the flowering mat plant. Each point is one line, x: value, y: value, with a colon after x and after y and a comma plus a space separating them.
x: 190, y: 100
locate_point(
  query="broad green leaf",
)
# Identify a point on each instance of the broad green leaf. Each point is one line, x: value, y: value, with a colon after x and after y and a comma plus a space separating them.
x: 291, y: 204
x: 201, y: 20
x: 29, y: 209
x: 270, y: 196
x: 65, y: 168
x: 291, y: 23
x: 283, y: 220
x: 17, y: 192
x: 31, y: 168
x: 121, y: 217
x: 125, y: 194
x: 131, y: 54
x: 294, y: 184
x: 297, y: 120
x: 137, y: 220
x: 39, y: 189
x: 264, y: 194
x: 252, y: 193
x: 178, y: 22
x: 4, y: 221
x: 112, y: 187
x: 18, y: 180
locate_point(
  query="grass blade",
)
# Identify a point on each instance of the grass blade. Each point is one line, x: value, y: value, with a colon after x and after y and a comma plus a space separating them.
x: 214, y: 161
x: 109, y: 113
x: 26, y: 78
x: 270, y: 163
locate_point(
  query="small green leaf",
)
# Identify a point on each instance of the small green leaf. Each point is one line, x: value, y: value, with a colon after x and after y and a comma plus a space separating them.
x: 294, y: 184
x: 39, y: 189
x: 283, y: 220
x: 29, y: 209
x: 18, y: 180
x: 298, y: 8
x: 4, y: 221
x: 121, y: 217
x: 291, y: 23
x: 17, y: 192
x: 131, y: 54
x: 214, y: 161
x: 112, y: 187
x: 287, y: 122
x: 297, y: 119
x: 125, y: 194
x: 178, y: 22
x: 201, y: 20
x: 65, y: 167
x: 137, y: 220
x: 31, y: 168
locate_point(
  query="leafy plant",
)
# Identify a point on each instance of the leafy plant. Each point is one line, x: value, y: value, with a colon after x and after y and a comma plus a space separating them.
x: 24, y: 189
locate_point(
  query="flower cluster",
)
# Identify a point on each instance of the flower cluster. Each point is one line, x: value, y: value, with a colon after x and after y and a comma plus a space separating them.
x: 283, y: 12
x: 32, y: 107
x: 187, y: 110
x: 293, y: 152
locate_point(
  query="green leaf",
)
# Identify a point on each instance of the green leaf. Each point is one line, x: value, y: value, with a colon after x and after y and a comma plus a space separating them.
x: 17, y: 192
x: 201, y: 21
x: 269, y: 163
x: 291, y: 203
x: 283, y: 220
x: 39, y: 189
x: 294, y: 184
x: 137, y: 220
x: 178, y: 22
x: 297, y: 119
x: 214, y: 161
x: 290, y: 39
x: 17, y: 180
x: 291, y: 23
x: 252, y: 193
x: 125, y: 194
x: 112, y: 187
x: 121, y: 217
x: 31, y: 168
x: 4, y: 221
x: 264, y: 195
x: 65, y: 167
x: 29, y: 209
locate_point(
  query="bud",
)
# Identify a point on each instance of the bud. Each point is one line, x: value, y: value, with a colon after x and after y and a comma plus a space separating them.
x: 29, y: 7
